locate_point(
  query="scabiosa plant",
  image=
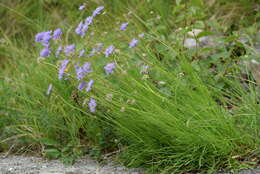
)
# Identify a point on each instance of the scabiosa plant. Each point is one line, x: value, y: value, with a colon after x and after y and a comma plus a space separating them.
x: 109, y: 68
x: 82, y: 85
x: 98, y: 10
x: 45, y: 52
x: 69, y: 50
x: 92, y: 105
x: 43, y: 36
x: 89, y: 85
x: 133, y: 43
x: 63, y: 68
x: 109, y: 50
x: 123, y: 26
x: 82, y: 71
x: 87, y: 67
x: 57, y: 34
x: 59, y: 49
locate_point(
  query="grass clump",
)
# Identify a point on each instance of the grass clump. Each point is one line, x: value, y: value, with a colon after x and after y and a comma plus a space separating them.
x: 134, y: 90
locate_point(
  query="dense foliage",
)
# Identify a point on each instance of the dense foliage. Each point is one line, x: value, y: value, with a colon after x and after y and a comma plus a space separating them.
x: 124, y: 78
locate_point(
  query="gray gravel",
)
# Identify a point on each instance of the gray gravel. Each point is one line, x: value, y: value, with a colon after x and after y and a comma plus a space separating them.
x: 35, y: 165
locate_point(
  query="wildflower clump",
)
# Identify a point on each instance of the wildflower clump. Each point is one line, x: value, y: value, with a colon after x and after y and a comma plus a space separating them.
x: 140, y: 88
x: 83, y: 70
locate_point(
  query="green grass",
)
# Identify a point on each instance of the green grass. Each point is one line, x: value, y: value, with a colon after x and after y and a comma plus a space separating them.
x: 180, y: 115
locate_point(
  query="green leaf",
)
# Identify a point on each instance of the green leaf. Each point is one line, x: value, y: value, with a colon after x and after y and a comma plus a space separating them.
x: 230, y: 38
x: 49, y: 142
x: 52, y: 153
x: 197, y: 2
x: 178, y: 2
x: 204, y: 33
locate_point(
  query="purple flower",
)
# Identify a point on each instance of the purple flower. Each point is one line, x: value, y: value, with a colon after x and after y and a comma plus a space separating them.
x: 82, y: 71
x: 45, y: 52
x: 92, y: 105
x: 84, y: 29
x: 43, y: 38
x: 87, y: 67
x: 141, y: 35
x: 63, y: 68
x: 123, y: 26
x: 89, y: 20
x: 98, y: 10
x: 82, y: 85
x: 89, y: 86
x: 59, y: 49
x: 70, y: 49
x: 48, y: 92
x: 82, y: 7
x: 144, y: 69
x: 39, y: 37
x: 81, y: 53
x: 133, y: 43
x: 78, y: 30
x: 57, y: 33
x: 109, y: 50
x: 109, y: 68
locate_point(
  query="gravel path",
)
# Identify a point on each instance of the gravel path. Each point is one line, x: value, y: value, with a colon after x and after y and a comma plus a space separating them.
x: 35, y: 165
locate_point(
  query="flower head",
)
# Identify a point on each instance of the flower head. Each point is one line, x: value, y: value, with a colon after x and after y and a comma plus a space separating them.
x: 82, y: 7
x: 63, y: 68
x: 39, y: 37
x: 57, y: 33
x: 81, y: 53
x: 109, y: 68
x: 48, y: 92
x: 78, y: 30
x: 82, y: 85
x: 141, y: 35
x: 109, y: 50
x: 144, y: 69
x: 89, y: 85
x: 89, y: 20
x: 59, y: 49
x: 82, y: 71
x: 92, y: 105
x: 70, y: 49
x: 45, y: 52
x: 98, y: 10
x: 87, y: 67
x: 123, y: 26
x: 133, y: 43
x: 84, y: 29
x: 43, y: 38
